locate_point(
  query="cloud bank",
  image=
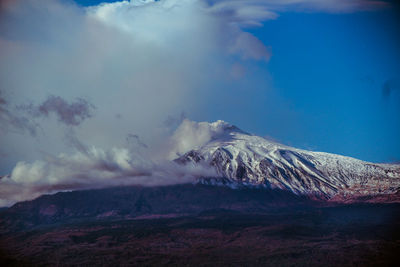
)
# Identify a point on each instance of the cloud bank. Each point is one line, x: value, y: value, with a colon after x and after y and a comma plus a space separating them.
x: 92, y: 167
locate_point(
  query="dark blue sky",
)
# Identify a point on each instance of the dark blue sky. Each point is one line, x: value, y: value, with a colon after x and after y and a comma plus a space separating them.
x: 332, y: 69
x: 333, y: 84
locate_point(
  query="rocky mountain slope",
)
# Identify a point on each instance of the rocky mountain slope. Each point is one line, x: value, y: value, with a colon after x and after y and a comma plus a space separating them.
x: 245, y: 159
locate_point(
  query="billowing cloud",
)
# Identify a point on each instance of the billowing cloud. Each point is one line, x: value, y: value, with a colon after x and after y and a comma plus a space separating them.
x: 147, y: 19
x: 143, y: 60
x: 191, y: 135
x: 93, y: 168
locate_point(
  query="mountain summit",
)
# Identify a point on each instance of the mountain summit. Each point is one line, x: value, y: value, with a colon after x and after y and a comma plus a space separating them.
x: 242, y: 158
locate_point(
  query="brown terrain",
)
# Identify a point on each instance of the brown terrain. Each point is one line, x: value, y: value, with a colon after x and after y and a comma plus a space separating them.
x: 196, y: 226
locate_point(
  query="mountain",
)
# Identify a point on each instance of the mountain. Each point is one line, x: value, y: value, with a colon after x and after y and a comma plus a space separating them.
x: 271, y: 211
x: 245, y: 159
x: 134, y: 201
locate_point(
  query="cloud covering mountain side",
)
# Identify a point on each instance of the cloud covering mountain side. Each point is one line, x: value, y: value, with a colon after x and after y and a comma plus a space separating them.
x: 94, y: 168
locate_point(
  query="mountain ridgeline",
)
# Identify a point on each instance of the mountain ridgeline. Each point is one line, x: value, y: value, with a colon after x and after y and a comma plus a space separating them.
x: 244, y: 159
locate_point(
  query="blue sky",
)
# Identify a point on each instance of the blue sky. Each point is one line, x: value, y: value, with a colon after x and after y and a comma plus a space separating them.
x: 331, y: 69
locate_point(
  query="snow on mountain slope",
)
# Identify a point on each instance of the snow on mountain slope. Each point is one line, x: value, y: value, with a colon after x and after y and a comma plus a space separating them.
x: 242, y: 158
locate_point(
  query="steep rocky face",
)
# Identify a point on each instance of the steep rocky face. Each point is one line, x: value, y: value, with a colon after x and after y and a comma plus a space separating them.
x: 247, y: 159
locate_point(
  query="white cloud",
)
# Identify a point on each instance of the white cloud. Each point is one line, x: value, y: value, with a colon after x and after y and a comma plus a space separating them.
x: 253, y: 12
x: 191, y: 135
x: 144, y: 62
x: 93, y: 168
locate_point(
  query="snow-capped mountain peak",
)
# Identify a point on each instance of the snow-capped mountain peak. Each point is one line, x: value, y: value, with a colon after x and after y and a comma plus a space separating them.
x: 244, y: 158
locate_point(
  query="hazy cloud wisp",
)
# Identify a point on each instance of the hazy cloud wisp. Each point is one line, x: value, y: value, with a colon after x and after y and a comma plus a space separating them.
x: 12, y: 120
x: 71, y: 114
